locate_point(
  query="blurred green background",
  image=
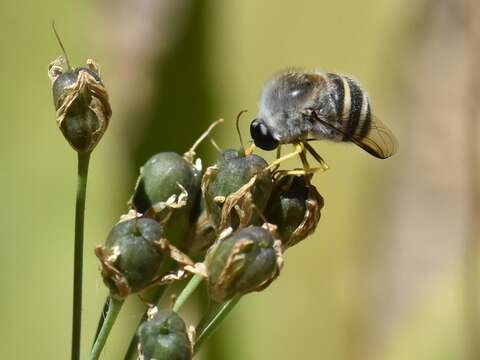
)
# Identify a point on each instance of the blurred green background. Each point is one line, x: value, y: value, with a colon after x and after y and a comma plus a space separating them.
x: 382, y: 278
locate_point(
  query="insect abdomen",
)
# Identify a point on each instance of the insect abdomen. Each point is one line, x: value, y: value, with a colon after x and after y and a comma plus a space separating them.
x: 352, y: 107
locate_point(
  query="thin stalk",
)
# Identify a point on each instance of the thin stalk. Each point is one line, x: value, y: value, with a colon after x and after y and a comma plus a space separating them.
x: 472, y: 245
x: 187, y: 292
x: 114, y: 307
x: 82, y: 173
x: 103, y: 315
x: 212, y: 321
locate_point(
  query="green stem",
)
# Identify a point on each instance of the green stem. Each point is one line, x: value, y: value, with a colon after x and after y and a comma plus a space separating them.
x: 187, y: 292
x: 212, y: 321
x: 103, y: 315
x: 112, y: 313
x: 82, y: 173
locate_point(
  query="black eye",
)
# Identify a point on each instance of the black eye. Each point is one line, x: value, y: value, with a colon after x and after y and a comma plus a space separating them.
x: 261, y: 135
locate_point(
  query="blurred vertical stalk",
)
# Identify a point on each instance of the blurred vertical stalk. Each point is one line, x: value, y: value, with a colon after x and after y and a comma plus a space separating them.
x: 424, y: 242
x: 169, y: 59
x: 472, y: 246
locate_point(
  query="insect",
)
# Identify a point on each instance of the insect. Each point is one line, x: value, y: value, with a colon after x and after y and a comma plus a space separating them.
x: 297, y: 107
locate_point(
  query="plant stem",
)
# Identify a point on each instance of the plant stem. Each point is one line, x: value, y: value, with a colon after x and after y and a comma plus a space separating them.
x: 103, y: 315
x: 212, y: 321
x: 82, y: 173
x: 114, y: 307
x: 472, y: 244
x: 187, y: 292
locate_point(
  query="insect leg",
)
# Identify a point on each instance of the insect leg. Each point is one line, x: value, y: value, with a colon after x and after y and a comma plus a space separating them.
x: 303, y: 157
x: 279, y: 155
x: 298, y: 172
x: 311, y: 150
x: 298, y: 149
x: 250, y: 149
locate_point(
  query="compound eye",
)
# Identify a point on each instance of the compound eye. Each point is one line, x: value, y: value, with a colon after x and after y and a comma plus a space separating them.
x: 261, y: 135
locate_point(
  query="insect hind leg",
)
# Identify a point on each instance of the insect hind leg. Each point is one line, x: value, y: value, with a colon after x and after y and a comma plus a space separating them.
x: 323, y: 164
x: 301, y: 152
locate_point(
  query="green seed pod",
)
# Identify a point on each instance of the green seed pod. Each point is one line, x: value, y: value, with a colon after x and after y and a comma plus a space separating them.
x: 248, y: 260
x: 164, y: 337
x: 130, y: 258
x: 168, y: 189
x: 294, y: 207
x: 233, y: 185
x: 81, y: 102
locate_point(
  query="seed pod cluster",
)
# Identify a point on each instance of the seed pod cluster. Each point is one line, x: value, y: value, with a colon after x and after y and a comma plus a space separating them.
x: 237, y: 190
x: 238, y: 217
x: 164, y: 337
x: 139, y: 250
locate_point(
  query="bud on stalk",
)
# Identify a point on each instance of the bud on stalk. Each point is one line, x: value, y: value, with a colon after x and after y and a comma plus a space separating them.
x: 81, y: 103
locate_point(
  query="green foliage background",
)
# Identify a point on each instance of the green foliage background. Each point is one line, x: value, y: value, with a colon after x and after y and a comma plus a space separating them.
x: 216, y: 68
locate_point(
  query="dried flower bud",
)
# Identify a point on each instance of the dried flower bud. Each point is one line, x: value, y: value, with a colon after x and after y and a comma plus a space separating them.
x: 294, y: 207
x: 233, y: 186
x: 168, y: 189
x: 164, y: 337
x: 130, y: 258
x: 81, y: 102
x: 248, y: 260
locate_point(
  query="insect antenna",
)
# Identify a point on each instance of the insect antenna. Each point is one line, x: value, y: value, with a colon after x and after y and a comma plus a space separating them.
x: 238, y: 128
x: 61, y: 45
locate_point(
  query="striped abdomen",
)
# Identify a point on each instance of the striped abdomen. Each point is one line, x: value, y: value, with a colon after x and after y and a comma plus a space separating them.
x: 352, y: 107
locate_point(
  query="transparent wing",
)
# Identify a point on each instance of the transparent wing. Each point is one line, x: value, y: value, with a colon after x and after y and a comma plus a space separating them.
x: 379, y: 141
